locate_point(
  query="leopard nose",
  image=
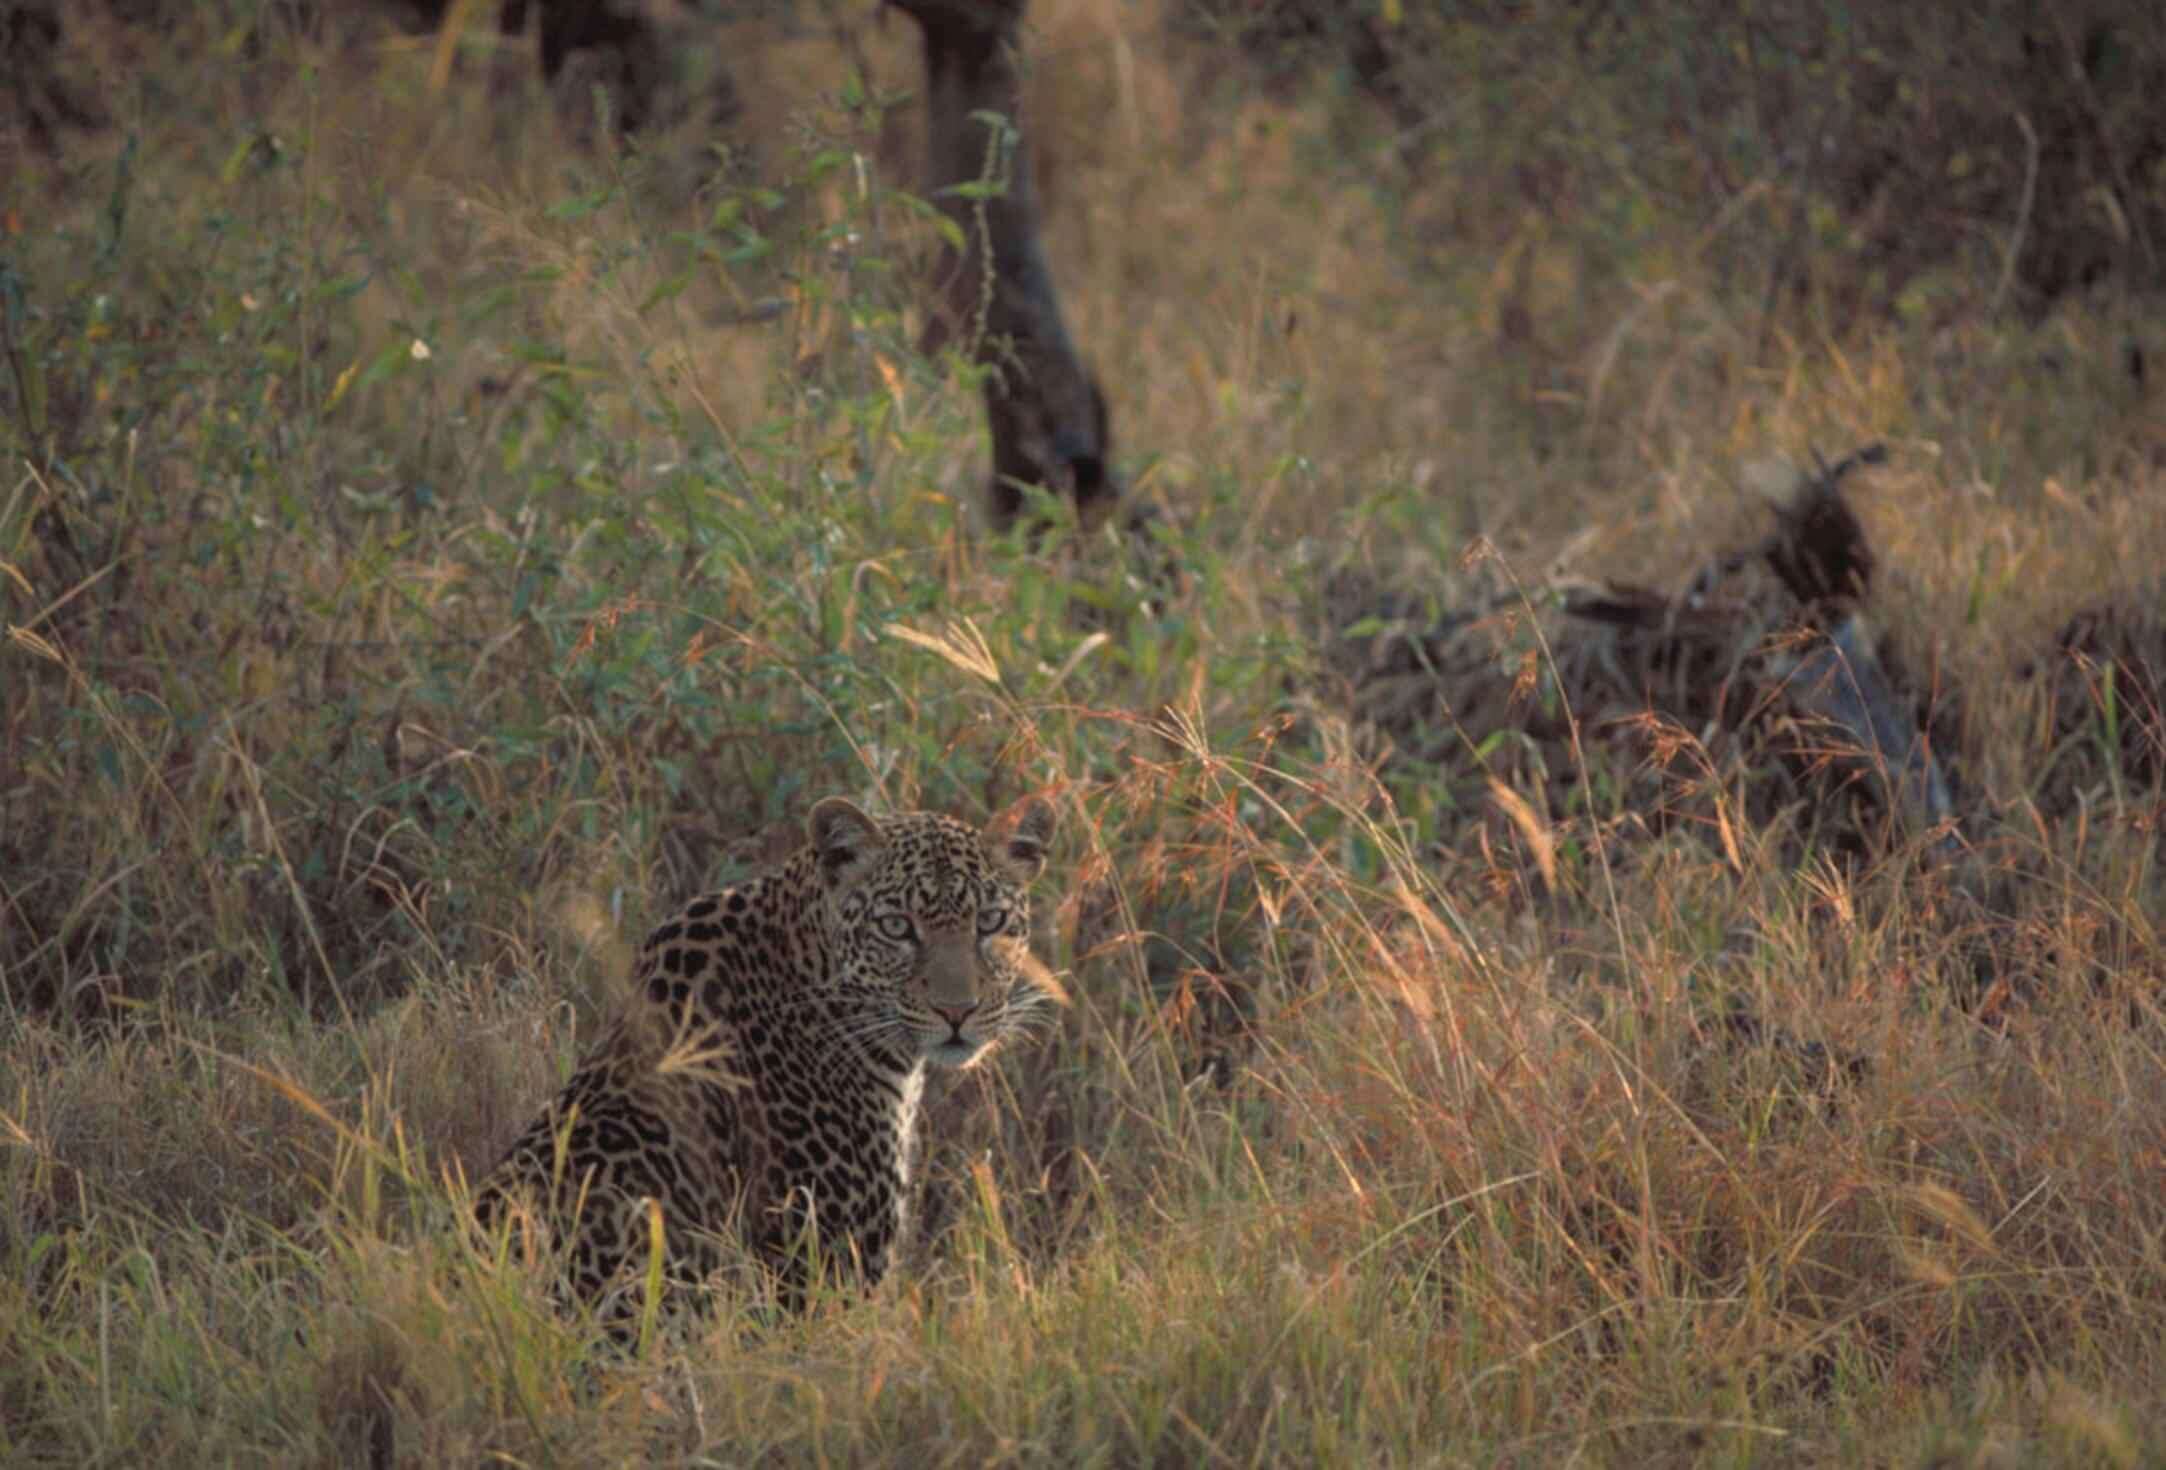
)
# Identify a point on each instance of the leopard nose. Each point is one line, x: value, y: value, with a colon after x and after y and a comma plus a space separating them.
x: 955, y: 1015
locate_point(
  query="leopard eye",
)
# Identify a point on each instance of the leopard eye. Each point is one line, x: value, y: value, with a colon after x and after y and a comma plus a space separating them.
x: 992, y: 920
x: 896, y: 927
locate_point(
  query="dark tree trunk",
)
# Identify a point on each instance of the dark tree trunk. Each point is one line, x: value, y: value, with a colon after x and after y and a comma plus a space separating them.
x: 996, y: 298
x: 632, y: 63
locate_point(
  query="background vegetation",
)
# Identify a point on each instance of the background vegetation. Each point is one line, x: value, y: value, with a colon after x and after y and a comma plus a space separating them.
x: 434, y: 543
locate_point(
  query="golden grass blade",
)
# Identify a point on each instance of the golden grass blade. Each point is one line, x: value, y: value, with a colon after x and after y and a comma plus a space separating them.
x: 960, y: 644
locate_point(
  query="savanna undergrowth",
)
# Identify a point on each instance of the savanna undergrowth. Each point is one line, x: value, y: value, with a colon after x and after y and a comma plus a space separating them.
x: 434, y: 542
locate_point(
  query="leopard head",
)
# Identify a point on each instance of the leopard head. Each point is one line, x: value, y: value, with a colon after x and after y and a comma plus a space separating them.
x: 929, y: 919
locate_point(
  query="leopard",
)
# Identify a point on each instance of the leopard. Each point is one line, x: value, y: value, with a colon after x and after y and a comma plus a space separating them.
x: 762, y: 1081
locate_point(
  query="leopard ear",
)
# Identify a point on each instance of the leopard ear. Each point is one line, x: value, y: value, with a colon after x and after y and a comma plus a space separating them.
x: 846, y: 840
x: 1018, y: 837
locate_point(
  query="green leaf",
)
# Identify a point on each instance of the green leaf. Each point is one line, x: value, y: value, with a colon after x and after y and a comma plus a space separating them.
x: 825, y: 162
x: 387, y: 363
x: 580, y: 206
x: 666, y: 290
x: 342, y: 288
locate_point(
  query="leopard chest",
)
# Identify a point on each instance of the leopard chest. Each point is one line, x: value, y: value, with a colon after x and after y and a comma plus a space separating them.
x: 812, y: 1130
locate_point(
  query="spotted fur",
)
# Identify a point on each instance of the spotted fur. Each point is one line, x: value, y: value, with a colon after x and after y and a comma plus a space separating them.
x: 763, y: 1080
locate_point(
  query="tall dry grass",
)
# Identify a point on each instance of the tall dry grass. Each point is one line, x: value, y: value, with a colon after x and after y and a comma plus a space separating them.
x: 434, y: 546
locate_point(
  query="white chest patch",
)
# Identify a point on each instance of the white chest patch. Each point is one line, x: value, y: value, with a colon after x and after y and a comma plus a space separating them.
x: 906, y: 1121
